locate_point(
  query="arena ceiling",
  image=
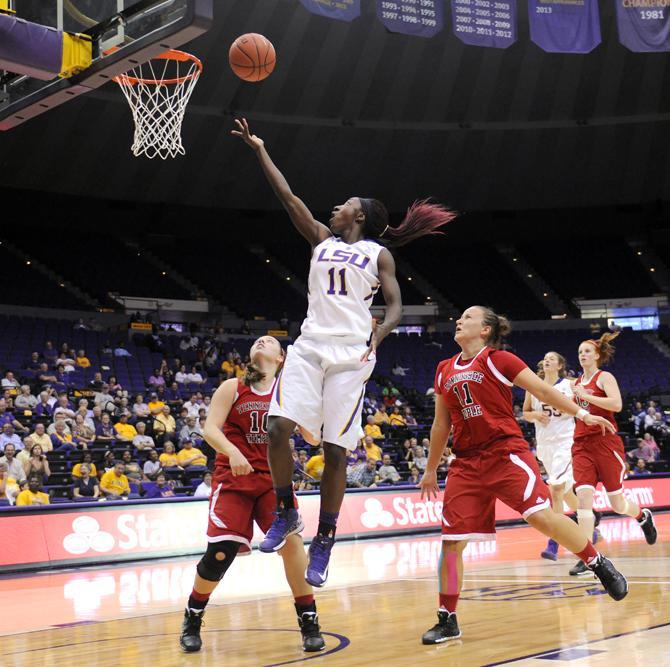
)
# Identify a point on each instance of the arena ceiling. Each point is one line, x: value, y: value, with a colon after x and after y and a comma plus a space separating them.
x: 353, y: 109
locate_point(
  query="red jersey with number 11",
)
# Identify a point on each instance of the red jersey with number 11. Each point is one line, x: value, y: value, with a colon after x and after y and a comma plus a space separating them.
x: 478, y: 394
x: 247, y: 427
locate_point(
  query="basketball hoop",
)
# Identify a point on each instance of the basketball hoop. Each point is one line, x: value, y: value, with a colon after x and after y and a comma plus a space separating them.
x: 158, y: 92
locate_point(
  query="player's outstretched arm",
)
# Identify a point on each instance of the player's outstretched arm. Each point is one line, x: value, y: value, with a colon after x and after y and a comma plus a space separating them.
x: 300, y: 215
x: 222, y: 402
x: 527, y: 380
x: 439, y: 435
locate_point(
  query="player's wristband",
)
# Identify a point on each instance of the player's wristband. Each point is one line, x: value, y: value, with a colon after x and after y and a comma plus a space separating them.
x: 581, y: 413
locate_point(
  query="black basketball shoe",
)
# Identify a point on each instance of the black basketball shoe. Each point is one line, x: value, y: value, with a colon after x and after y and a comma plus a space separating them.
x: 579, y: 569
x: 312, y: 640
x: 612, y: 580
x: 648, y: 526
x: 444, y: 630
x: 597, y: 516
x: 189, y: 639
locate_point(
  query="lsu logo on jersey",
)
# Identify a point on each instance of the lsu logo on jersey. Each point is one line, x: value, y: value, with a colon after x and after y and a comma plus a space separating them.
x: 341, y: 256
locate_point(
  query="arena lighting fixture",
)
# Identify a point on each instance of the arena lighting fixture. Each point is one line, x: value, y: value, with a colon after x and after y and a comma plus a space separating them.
x: 288, y: 277
x: 163, y: 273
x: 652, y: 269
x: 545, y: 294
x: 514, y: 259
x: 410, y: 278
x: 530, y: 275
x: 639, y: 252
x: 267, y: 261
x: 27, y: 262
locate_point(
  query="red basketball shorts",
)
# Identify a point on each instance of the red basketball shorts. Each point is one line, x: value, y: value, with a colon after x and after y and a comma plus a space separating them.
x: 599, y: 458
x: 235, y: 503
x: 507, y: 471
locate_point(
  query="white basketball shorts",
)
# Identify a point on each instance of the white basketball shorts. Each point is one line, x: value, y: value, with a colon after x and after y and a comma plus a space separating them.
x: 321, y: 388
x: 556, y: 458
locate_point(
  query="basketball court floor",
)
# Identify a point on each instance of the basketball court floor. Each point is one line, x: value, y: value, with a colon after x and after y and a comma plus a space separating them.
x: 516, y: 609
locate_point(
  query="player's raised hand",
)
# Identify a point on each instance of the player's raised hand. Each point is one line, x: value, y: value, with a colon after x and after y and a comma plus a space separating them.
x: 244, y: 132
x: 428, y: 485
x: 606, y: 426
x: 239, y: 464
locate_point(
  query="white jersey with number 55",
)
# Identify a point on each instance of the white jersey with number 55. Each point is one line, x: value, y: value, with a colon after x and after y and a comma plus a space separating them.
x: 561, y: 427
x: 343, y: 280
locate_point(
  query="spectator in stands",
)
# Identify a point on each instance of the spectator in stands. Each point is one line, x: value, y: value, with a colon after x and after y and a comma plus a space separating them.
x: 125, y: 432
x: 9, y: 381
x: 152, y: 466
x: 206, y: 403
x: 194, y: 377
x: 35, y: 363
x: 365, y: 476
x: 398, y: 370
x: 82, y: 407
x: 15, y: 469
x: 650, y: 418
x: 190, y: 456
x: 120, y: 350
x: 8, y: 437
x: 24, y: 454
x: 641, y: 468
x: 192, y: 405
x: 315, y: 465
x: 59, y: 419
x: 172, y: 394
x: 410, y: 421
x: 33, y: 494
x: 358, y: 455
x: 191, y: 429
x: 7, y: 417
x: 637, y: 417
x: 445, y: 461
x: 115, y: 387
x: 65, y: 364
x: 162, y: 488
x: 25, y: 400
x: 104, y: 399
x: 97, y: 382
x: 390, y: 395
x: 414, y: 476
x: 63, y: 406
x: 96, y: 416
x: 388, y: 475
x: 87, y: 459
x: 300, y: 463
x: 140, y: 408
x: 133, y: 470
x: 181, y: 376
x: 44, y: 408
x: 204, y: 489
x: 168, y: 458
x: 142, y: 441
x: 381, y: 418
x: 420, y: 461
x: 9, y: 488
x: 156, y: 380
x: 155, y: 406
x: 82, y: 360
x: 372, y: 429
x: 108, y: 460
x: 37, y: 464
x: 41, y: 437
x: 50, y: 354
x: 646, y: 449
x: 372, y: 450
x: 164, y: 425
x: 105, y: 432
x: 114, y: 483
x: 62, y: 439
x: 82, y: 433
x: 228, y: 367
x: 396, y: 418
x: 66, y: 350
x: 86, y: 485
x: 240, y: 370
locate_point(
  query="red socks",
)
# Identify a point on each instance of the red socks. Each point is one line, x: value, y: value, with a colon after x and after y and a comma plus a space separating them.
x: 304, y: 600
x: 198, y: 601
x: 448, y: 602
x: 588, y: 554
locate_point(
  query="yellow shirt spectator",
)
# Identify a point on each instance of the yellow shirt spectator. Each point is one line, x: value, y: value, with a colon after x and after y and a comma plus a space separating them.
x: 76, y: 471
x: 373, y: 451
x: 397, y: 419
x: 167, y: 423
x: 185, y: 454
x: 83, y: 362
x: 380, y: 417
x: 116, y: 484
x: 44, y: 441
x: 10, y: 487
x: 314, y: 467
x: 227, y: 367
x: 27, y: 497
x: 126, y: 431
x: 239, y: 372
x: 373, y: 431
x: 168, y: 460
x: 155, y: 407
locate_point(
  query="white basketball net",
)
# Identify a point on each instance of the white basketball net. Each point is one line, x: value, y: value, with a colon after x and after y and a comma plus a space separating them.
x: 158, y: 92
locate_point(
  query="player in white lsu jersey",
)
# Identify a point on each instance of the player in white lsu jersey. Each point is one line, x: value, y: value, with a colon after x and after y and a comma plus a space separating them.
x: 554, y: 436
x: 322, y: 383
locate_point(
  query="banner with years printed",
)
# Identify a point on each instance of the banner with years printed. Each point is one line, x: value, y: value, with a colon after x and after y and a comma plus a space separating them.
x: 491, y: 23
x: 564, y: 26
x: 419, y: 18
x: 644, y: 25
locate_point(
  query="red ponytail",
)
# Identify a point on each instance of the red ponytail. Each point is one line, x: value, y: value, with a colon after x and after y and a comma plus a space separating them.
x: 422, y: 218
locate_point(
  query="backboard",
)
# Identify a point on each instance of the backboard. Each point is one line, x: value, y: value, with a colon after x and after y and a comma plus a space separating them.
x: 124, y: 33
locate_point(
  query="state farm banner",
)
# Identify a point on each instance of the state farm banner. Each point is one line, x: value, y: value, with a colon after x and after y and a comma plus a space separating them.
x: 491, y: 23
x: 564, y: 26
x: 644, y: 25
x: 419, y: 18
x: 342, y: 10
x: 58, y: 536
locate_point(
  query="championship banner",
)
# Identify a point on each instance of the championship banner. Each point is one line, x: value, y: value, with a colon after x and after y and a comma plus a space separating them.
x: 489, y: 23
x: 58, y: 536
x: 418, y: 18
x: 644, y: 25
x: 564, y: 26
x: 342, y: 10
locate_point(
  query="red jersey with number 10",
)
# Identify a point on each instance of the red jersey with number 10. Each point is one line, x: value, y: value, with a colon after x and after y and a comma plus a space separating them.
x: 247, y: 427
x: 591, y: 387
x: 478, y: 394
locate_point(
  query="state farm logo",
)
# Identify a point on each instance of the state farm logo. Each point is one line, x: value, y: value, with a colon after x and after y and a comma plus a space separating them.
x: 375, y: 515
x: 87, y: 535
x: 406, y: 512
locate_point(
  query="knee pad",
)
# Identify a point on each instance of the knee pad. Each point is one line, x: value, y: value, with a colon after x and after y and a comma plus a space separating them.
x: 212, y: 568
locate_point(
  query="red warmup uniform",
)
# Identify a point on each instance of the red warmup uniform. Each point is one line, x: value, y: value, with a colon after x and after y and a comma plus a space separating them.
x: 597, y: 457
x: 236, y: 502
x: 492, y: 458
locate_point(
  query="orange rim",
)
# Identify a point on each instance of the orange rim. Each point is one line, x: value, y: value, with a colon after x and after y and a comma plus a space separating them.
x: 172, y: 54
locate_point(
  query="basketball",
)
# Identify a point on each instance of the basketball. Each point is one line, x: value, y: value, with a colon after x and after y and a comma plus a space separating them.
x: 252, y: 57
